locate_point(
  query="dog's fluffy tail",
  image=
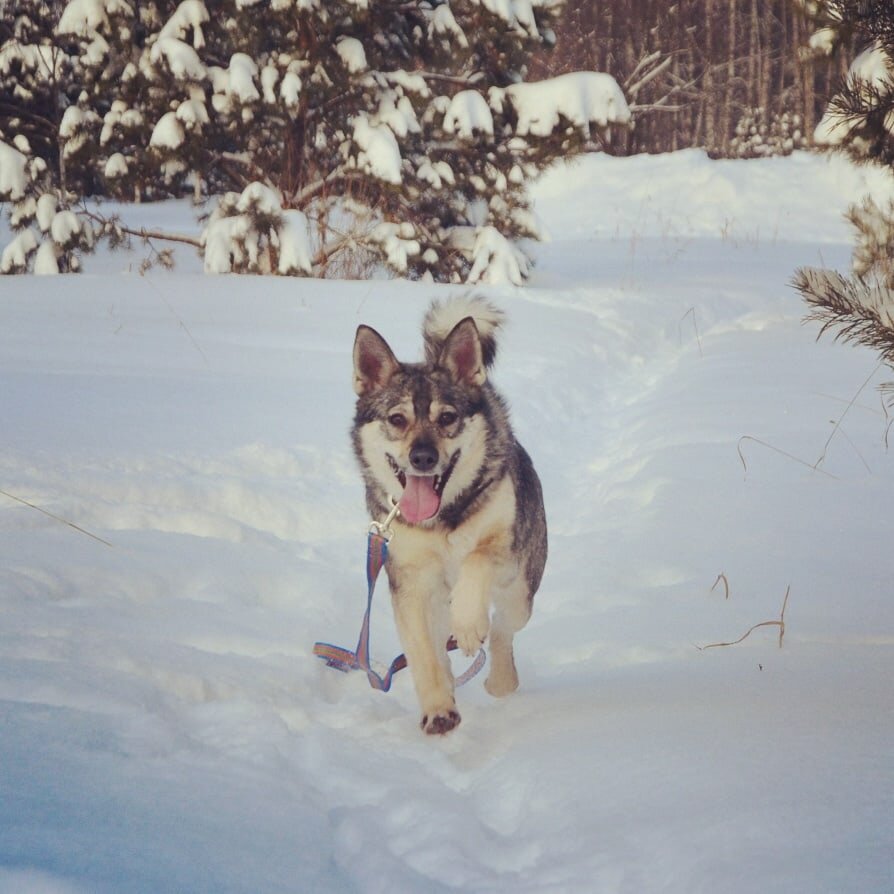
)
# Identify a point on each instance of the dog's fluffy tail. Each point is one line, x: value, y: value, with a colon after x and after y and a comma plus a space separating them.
x: 442, y: 317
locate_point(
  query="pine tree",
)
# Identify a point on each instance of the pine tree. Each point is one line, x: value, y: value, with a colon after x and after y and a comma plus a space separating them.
x: 860, y: 122
x: 400, y: 131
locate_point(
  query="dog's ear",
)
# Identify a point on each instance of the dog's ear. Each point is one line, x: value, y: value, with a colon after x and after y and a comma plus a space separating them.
x: 374, y: 361
x: 462, y: 355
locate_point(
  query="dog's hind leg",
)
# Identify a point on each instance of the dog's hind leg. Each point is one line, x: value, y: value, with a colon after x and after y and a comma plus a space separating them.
x: 512, y: 608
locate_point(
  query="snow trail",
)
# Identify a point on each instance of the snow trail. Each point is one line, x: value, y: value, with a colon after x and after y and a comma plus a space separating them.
x: 163, y: 723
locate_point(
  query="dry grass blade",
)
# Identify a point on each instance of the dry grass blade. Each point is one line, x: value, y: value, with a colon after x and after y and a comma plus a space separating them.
x: 837, y: 427
x: 698, y: 338
x: 721, y: 578
x: 780, y: 624
x: 784, y: 453
x: 57, y: 518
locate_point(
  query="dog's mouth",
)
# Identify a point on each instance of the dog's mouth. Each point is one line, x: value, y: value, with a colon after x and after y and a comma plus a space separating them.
x: 421, y: 498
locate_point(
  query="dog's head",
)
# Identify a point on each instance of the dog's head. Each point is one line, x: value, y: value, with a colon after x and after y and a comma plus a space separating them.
x: 419, y: 429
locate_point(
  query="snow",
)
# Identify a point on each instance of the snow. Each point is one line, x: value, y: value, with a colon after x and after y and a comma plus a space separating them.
x: 116, y: 166
x: 222, y: 240
x: 380, y: 153
x: 442, y: 21
x: 871, y: 71
x: 86, y: 17
x: 290, y: 88
x: 168, y: 132
x: 242, y: 72
x: 39, y: 60
x: 261, y: 198
x: 72, y: 121
x: 397, y: 113
x: 398, y: 243
x: 496, y: 260
x: 269, y: 77
x: 13, y: 172
x: 15, y: 255
x: 352, y: 54
x: 468, y: 114
x: 46, y: 261
x: 294, y: 243
x: 873, y: 67
x: 119, y: 115
x: 190, y: 15
x: 583, y: 97
x: 823, y: 41
x: 192, y: 113
x: 163, y: 723
x: 519, y: 14
x: 181, y: 59
x: 65, y: 227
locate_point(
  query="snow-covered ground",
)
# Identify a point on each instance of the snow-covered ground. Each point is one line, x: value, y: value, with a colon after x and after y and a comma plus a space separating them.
x: 164, y: 725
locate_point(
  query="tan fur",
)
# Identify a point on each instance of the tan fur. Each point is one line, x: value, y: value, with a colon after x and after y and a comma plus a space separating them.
x: 448, y: 584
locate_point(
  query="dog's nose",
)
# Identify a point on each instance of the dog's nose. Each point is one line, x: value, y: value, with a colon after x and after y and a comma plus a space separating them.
x: 423, y: 457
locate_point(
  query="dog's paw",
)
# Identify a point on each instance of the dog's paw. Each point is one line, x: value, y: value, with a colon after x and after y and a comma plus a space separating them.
x: 470, y: 628
x: 502, y: 682
x: 440, y: 723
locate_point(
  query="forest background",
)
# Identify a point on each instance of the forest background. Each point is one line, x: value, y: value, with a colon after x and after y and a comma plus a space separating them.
x: 739, y: 78
x: 402, y: 134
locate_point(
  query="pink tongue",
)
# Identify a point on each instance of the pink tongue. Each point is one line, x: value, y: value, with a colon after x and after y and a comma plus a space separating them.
x: 419, y: 501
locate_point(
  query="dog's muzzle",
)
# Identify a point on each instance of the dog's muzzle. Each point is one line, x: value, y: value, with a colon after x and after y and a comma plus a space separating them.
x: 421, y: 498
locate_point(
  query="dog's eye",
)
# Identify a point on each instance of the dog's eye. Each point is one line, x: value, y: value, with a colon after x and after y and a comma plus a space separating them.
x: 398, y: 420
x: 447, y: 418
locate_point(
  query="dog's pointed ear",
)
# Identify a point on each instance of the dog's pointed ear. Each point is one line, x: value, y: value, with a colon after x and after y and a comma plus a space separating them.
x: 462, y: 355
x: 374, y: 361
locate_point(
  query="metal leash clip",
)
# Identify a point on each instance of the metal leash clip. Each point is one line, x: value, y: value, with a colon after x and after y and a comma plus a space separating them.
x: 383, y: 528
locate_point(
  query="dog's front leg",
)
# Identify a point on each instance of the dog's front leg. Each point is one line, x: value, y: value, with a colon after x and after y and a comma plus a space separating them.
x: 419, y: 601
x: 470, y: 601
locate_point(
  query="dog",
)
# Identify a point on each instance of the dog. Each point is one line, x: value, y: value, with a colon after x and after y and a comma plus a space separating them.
x: 470, y: 540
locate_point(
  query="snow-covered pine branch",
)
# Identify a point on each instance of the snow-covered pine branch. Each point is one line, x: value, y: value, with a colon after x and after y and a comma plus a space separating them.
x: 411, y: 123
x: 860, y: 121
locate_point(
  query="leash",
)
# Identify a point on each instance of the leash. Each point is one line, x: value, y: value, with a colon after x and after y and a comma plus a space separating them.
x: 378, y: 537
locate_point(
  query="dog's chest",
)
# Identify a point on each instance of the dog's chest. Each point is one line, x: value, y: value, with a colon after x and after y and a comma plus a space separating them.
x: 488, y: 533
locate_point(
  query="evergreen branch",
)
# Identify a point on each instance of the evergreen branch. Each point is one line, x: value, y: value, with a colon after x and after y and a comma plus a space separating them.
x: 242, y: 158
x: 474, y: 78
x: 310, y: 191
x: 856, y: 310
x: 142, y: 232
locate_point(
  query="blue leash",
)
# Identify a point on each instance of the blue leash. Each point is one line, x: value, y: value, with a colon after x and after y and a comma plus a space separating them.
x: 346, y: 660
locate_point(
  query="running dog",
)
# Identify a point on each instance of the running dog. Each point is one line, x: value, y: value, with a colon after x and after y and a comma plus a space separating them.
x: 470, y: 541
